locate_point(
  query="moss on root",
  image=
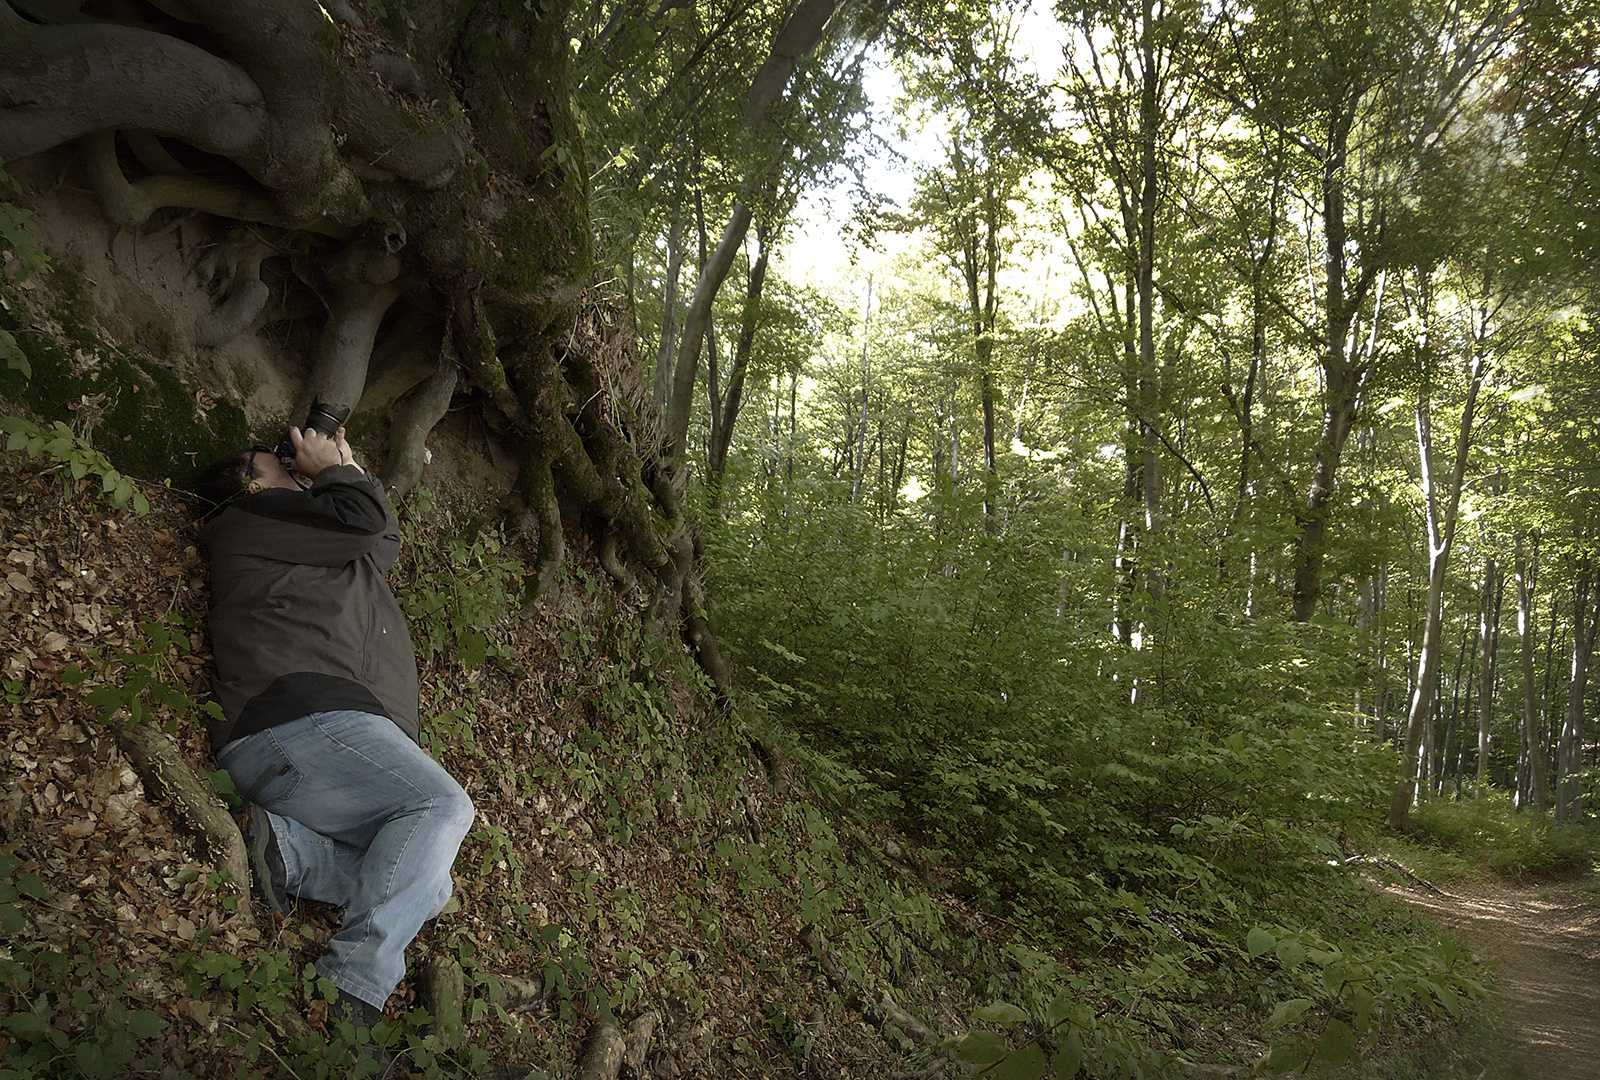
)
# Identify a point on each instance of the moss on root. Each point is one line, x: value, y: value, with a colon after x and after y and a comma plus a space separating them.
x: 147, y: 420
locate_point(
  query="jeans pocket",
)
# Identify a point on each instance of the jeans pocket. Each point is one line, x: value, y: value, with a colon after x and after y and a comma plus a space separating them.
x: 261, y: 771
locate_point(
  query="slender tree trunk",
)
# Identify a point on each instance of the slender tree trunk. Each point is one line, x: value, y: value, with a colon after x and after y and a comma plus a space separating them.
x: 800, y: 35
x: 1533, y: 741
x: 1585, y: 617
x: 1345, y: 369
x: 662, y: 385
x: 725, y: 413
x: 1149, y: 382
x: 1489, y: 636
x: 1441, y: 526
x: 1380, y: 712
x: 861, y: 444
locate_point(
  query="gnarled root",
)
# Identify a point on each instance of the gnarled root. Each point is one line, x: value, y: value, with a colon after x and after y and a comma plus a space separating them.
x: 603, y: 1057
x: 612, y: 565
x: 698, y: 633
x: 441, y: 986
x: 402, y: 361
x: 132, y: 204
x: 640, y: 1032
x: 233, y: 267
x: 541, y: 518
x: 408, y: 437
x: 361, y: 281
x: 882, y: 1013
x: 159, y: 765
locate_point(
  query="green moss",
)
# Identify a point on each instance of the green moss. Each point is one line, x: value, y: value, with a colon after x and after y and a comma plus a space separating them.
x: 149, y: 425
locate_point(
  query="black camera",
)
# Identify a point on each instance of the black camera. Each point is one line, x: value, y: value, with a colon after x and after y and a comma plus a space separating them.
x: 323, y: 418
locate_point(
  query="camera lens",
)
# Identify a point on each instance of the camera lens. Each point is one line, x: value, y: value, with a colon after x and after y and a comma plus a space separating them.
x: 325, y: 419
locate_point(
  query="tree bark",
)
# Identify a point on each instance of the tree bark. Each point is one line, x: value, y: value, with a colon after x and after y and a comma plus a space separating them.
x: 1585, y: 619
x: 665, y: 347
x: 60, y: 83
x: 1489, y: 635
x: 1441, y: 532
x: 723, y: 419
x: 1532, y: 736
x: 800, y: 36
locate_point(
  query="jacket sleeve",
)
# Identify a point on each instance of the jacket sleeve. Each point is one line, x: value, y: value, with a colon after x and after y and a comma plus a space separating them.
x: 343, y: 517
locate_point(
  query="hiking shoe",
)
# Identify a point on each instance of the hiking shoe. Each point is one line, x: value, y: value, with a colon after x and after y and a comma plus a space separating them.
x: 268, y: 878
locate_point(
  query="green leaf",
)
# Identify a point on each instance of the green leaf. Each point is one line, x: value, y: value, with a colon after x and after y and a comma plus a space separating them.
x: 26, y: 1025
x: 8, y: 864
x: 1447, y: 997
x: 981, y: 1048
x: 14, y: 357
x: 1335, y: 1046
x: 1058, y: 1010
x: 1001, y: 1013
x: 1026, y: 1064
x: 1070, y: 1056
x: 11, y: 919
x: 1361, y: 1000
x: 1287, y: 1012
x: 145, y: 1024
x: 30, y: 885
x: 1291, y: 953
x: 1259, y: 941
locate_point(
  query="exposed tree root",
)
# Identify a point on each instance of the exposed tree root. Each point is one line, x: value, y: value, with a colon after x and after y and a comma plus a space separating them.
x: 158, y: 764
x: 640, y: 1032
x: 132, y: 204
x: 602, y: 1058
x: 441, y: 986
x: 408, y: 436
x: 614, y: 567
x: 401, y: 361
x: 882, y: 1013
x: 234, y: 268
x: 361, y: 281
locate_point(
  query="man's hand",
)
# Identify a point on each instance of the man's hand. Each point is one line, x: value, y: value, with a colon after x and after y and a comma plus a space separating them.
x: 314, y: 451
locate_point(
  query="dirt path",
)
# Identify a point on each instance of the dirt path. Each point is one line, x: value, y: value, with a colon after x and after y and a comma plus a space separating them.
x: 1546, y: 941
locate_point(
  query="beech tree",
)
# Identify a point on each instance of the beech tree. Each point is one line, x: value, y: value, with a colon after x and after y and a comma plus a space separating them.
x: 416, y: 183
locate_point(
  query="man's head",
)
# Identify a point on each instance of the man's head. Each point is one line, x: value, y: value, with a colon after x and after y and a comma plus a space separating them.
x: 248, y: 470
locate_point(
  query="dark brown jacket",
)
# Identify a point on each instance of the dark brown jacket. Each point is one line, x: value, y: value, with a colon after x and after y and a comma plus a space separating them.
x: 302, y: 620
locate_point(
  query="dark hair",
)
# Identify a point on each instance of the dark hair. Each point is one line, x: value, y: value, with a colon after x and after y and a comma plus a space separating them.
x: 226, y: 478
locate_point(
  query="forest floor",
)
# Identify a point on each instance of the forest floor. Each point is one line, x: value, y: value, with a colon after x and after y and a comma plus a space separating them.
x: 1544, y: 941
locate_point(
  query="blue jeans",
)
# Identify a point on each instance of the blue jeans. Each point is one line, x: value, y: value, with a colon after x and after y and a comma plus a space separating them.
x: 366, y: 820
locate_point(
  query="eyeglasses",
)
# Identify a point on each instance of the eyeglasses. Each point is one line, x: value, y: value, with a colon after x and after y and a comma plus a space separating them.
x: 250, y: 466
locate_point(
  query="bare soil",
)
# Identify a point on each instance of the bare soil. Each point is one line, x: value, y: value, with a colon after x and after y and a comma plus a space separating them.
x: 1544, y: 941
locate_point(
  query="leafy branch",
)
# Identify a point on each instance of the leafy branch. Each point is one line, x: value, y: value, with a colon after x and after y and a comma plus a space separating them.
x: 144, y: 682
x: 65, y: 447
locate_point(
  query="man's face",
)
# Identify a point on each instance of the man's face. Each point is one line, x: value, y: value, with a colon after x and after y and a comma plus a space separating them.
x: 266, y: 471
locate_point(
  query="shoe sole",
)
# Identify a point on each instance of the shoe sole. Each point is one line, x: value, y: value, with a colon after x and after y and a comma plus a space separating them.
x: 257, y: 835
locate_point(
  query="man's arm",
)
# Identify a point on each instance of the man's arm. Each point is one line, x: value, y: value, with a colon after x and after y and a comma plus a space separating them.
x: 343, y: 516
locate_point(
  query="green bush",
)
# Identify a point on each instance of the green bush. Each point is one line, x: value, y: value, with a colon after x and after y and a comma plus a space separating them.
x: 1491, y: 833
x: 965, y: 689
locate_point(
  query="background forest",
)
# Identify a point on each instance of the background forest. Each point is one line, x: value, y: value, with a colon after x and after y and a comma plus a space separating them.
x: 1116, y: 456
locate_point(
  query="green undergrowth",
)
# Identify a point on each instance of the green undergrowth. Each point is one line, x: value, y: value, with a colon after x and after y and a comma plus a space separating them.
x: 1162, y: 827
x: 1479, y: 839
x: 639, y: 849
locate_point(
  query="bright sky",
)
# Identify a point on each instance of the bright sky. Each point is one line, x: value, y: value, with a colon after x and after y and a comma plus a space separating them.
x: 817, y: 252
